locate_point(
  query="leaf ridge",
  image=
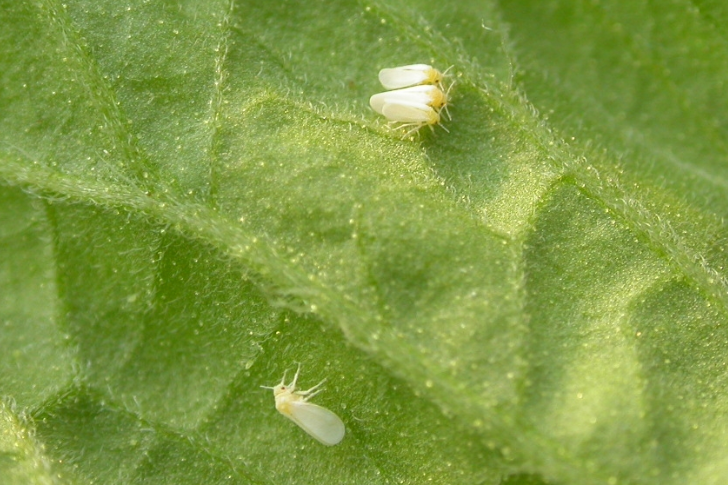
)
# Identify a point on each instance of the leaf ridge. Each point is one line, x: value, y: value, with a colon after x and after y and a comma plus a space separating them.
x: 133, y: 166
x: 217, y: 99
x: 18, y: 435
x: 663, y: 238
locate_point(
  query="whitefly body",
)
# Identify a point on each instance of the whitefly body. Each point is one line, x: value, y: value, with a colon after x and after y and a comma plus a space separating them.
x: 411, y: 75
x: 320, y: 423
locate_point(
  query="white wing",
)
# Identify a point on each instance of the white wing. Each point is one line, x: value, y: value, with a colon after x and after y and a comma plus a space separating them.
x: 318, y: 422
x: 400, y: 77
x: 425, y: 94
x: 377, y: 102
x: 408, y: 112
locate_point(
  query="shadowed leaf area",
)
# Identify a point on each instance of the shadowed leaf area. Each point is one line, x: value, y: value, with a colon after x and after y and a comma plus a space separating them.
x: 195, y: 197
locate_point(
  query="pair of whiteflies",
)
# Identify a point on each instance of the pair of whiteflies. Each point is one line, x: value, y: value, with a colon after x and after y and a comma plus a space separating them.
x: 416, y: 98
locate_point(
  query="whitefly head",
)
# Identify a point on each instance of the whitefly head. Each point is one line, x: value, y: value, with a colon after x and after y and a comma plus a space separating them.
x: 282, y: 387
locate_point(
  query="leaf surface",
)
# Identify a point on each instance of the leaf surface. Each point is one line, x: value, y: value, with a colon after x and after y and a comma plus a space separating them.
x: 195, y: 197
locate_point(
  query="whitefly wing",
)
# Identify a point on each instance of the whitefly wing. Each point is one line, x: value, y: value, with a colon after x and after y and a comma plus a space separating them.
x: 322, y: 424
x: 408, y: 112
x: 425, y: 94
x: 401, y: 77
x: 377, y: 102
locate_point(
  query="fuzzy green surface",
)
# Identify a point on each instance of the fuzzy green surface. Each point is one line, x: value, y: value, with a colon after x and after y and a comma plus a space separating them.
x: 195, y: 196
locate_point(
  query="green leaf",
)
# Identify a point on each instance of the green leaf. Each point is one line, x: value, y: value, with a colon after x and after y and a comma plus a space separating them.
x: 195, y: 197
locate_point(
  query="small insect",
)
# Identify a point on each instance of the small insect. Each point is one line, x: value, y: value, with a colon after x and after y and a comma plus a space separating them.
x: 322, y: 424
x: 410, y: 115
x: 425, y: 94
x: 412, y: 75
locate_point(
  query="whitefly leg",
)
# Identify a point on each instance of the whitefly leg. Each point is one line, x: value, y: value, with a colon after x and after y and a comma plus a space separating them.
x: 309, y: 393
x: 292, y: 385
